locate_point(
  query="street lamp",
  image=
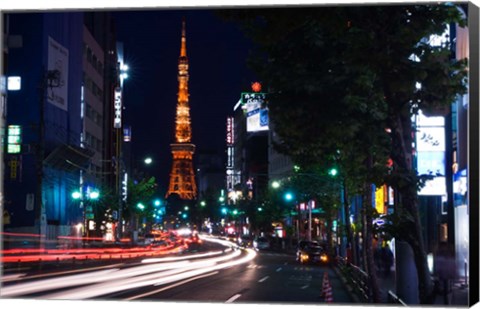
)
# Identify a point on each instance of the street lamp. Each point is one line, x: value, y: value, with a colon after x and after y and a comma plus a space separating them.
x: 275, y: 184
x: 148, y: 161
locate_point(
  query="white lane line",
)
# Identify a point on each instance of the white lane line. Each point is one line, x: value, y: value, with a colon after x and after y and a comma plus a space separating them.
x: 279, y: 269
x: 305, y: 286
x: 171, y: 286
x: 233, y: 298
x: 263, y: 279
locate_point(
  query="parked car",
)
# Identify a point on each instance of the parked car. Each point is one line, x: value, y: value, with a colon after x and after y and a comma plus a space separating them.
x: 311, y: 252
x: 261, y: 243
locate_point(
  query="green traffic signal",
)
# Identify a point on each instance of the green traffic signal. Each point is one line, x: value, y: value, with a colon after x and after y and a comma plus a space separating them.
x: 288, y: 196
x: 94, y: 195
x: 333, y: 172
x: 76, y: 195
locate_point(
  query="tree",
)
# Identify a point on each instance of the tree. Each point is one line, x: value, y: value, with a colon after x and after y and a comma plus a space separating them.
x: 349, y: 78
x: 140, y: 193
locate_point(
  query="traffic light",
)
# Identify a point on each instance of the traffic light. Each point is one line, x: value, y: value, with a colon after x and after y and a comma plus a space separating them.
x: 333, y: 172
x: 76, y: 195
x: 94, y: 195
x: 157, y: 202
x: 288, y: 196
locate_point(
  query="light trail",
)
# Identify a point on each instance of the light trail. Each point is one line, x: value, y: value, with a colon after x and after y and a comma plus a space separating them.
x: 151, y: 272
x: 194, y: 256
x: 56, y: 283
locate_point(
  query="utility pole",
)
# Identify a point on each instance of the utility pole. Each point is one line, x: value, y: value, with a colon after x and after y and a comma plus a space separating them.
x: 50, y: 79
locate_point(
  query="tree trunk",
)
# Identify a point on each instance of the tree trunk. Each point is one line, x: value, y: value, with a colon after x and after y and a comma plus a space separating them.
x: 348, y: 227
x: 415, y: 240
x: 402, y: 139
x: 367, y: 242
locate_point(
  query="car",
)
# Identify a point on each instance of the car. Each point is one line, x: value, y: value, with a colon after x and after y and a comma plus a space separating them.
x: 261, y: 243
x: 245, y: 241
x: 149, y: 239
x: 312, y: 252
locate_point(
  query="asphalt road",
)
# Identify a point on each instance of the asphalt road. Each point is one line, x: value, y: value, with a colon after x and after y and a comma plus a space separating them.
x: 271, y: 278
x: 210, y: 273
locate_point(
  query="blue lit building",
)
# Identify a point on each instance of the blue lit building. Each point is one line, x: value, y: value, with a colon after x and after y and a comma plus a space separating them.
x: 40, y: 177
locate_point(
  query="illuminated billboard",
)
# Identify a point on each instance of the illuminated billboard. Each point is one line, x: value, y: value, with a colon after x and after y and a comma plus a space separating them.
x: 255, y: 111
x: 430, y: 155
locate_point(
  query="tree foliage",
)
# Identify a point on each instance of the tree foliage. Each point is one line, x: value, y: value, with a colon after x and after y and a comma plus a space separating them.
x: 343, y: 85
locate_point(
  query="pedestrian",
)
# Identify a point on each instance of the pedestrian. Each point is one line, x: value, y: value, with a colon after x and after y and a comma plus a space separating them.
x: 387, y: 259
x: 444, y: 265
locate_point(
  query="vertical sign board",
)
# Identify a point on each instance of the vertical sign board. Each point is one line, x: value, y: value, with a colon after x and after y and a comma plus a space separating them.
x: 230, y: 133
x: 230, y: 152
x: 430, y: 146
x: 256, y: 113
x: 58, y: 61
x: 117, y: 119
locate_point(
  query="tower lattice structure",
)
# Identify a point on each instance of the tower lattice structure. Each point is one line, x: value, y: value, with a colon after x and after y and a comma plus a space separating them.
x: 182, y: 176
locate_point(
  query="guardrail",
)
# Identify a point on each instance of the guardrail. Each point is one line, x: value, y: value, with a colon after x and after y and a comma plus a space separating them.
x: 394, y: 299
x: 357, y: 278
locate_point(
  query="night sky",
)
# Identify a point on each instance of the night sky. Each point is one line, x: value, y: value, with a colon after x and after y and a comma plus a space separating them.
x: 217, y: 53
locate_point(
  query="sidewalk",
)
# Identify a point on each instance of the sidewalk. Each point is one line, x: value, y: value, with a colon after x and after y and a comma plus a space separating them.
x: 458, y: 295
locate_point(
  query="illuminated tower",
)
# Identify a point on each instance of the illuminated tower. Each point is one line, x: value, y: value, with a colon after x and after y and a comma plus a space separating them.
x: 182, y: 176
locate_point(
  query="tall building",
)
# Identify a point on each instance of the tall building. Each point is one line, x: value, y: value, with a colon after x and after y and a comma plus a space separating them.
x: 182, y: 176
x: 43, y: 170
x: 58, y: 115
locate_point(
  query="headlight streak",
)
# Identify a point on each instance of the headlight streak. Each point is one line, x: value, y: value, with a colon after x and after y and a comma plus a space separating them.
x: 38, y: 286
x: 191, y: 269
x: 110, y: 287
x: 116, y: 280
x: 166, y: 259
x: 59, y: 273
x: 155, y: 279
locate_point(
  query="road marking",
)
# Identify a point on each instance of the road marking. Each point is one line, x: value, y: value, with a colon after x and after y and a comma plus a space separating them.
x: 305, y: 286
x: 233, y: 298
x: 171, y: 286
x: 279, y: 269
x: 263, y: 279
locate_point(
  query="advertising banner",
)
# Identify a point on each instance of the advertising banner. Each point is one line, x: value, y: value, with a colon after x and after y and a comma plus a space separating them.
x: 430, y: 146
x: 58, y: 62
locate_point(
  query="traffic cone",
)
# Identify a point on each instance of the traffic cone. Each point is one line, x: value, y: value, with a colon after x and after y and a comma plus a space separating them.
x: 328, y: 294
x: 326, y: 289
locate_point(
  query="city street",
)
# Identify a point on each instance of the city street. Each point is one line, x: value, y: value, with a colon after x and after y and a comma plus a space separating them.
x: 214, y: 272
x: 299, y: 155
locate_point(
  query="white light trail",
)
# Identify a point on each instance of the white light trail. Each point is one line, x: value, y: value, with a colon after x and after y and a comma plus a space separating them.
x: 42, y: 285
x: 152, y: 272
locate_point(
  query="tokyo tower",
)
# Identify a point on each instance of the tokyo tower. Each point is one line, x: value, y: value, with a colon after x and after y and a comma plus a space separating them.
x: 182, y: 176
